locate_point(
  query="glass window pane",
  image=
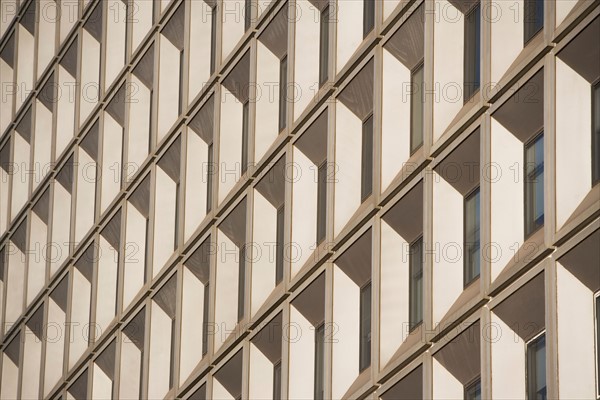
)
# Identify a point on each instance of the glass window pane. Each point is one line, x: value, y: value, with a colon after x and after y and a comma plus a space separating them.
x: 368, y: 16
x: 282, y: 93
x: 279, y: 246
x: 367, y: 158
x: 533, y: 17
x: 241, y: 283
x: 324, y: 46
x: 536, y: 369
x: 245, y: 127
x: 209, y: 176
x: 417, y: 100
x: 277, y: 381
x: 416, y: 283
x: 213, y: 39
x: 473, y: 390
x: 321, y: 202
x: 205, y: 320
x: 472, y: 52
x: 247, y: 14
x: 534, y: 185
x: 598, y: 340
x: 472, y: 237
x: 365, y: 327
x: 319, y: 362
x: 596, y: 133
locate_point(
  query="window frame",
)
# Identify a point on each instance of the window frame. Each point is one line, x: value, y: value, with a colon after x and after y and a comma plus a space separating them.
x: 529, y: 29
x: 529, y: 231
x: 412, y: 324
x: 277, y: 380
x: 181, y: 82
x: 528, y: 347
x: 205, y: 317
x: 321, y: 198
x: 279, y: 243
x: 419, y: 67
x: 595, y: 134
x: 472, y: 384
x: 209, y: 177
x: 176, y: 238
x: 319, y: 378
x: 597, y: 340
x: 241, y: 311
x: 366, y: 164
x: 324, y: 45
x: 245, y: 135
x: 365, y: 363
x: 213, y: 39
x: 247, y: 15
x: 472, y: 16
x: 283, y: 80
x: 368, y: 17
x: 470, y: 195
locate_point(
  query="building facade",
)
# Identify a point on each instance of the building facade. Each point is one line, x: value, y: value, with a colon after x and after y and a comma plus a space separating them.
x: 300, y: 199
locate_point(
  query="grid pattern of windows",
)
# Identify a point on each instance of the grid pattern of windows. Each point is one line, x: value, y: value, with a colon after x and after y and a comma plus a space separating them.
x: 200, y: 139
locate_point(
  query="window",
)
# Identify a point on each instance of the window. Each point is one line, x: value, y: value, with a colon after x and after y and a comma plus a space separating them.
x: 247, y: 14
x: 151, y: 120
x: 245, y: 126
x: 147, y: 249
x: 472, y: 52
x: 205, y: 319
x: 365, y: 327
x: 241, y: 283
x: 279, y: 245
x: 415, y: 270
x: 534, y: 184
x: 533, y: 18
x: 473, y: 390
x: 209, y: 178
x: 320, y: 362
x: 277, y: 381
x: 598, y: 342
x: 321, y: 201
x: 282, y: 93
x: 596, y: 133
x: 417, y: 102
x: 367, y: 158
x: 368, y: 16
x: 324, y: 47
x: 176, y: 229
x: 472, y: 238
x: 172, y: 356
x: 181, y: 64
x: 536, y: 368
x: 213, y: 39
